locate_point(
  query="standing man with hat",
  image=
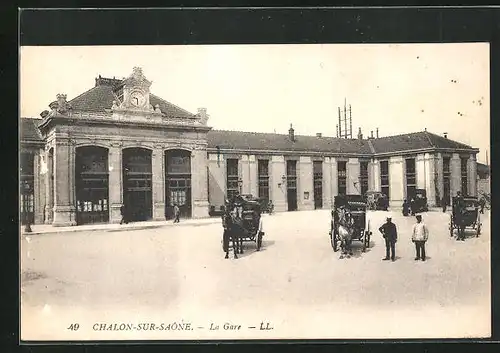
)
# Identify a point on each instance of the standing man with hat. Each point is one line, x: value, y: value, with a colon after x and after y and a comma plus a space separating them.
x: 390, y: 234
x: 419, y: 236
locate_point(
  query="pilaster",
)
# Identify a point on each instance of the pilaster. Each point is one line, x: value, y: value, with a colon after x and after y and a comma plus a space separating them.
x: 244, y: 170
x: 216, y: 180
x: 327, y: 184
x: 472, y: 175
x: 374, y: 176
x: 455, y: 185
x: 334, y: 185
x: 438, y: 177
x: 254, y: 178
x: 115, y: 182
x: 49, y: 187
x: 64, y: 165
x: 430, y: 182
x: 199, y: 187
x: 277, y: 188
x: 305, y: 184
x: 353, y: 173
x: 396, y: 181
x: 158, y: 175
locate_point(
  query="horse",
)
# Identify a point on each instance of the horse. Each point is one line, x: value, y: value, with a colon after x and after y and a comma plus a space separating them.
x: 231, y: 234
x: 344, y: 233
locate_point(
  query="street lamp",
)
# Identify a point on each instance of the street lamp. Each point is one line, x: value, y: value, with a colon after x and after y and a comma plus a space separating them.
x: 283, y: 180
x: 240, y: 185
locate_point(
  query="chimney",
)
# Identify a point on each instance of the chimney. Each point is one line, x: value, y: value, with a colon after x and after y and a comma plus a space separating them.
x: 318, y: 134
x: 337, y: 130
x: 377, y: 132
x: 371, y: 134
x: 360, y: 135
x: 445, y: 135
x: 291, y: 134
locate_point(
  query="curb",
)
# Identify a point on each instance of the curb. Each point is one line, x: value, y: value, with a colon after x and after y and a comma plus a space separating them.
x: 145, y: 225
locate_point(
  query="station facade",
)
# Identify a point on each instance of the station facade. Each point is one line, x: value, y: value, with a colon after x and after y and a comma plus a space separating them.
x: 118, y: 144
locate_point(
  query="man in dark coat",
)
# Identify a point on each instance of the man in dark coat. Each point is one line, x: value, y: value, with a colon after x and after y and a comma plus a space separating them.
x: 177, y: 213
x: 405, y: 208
x: 390, y: 234
x: 123, y: 212
x: 444, y: 203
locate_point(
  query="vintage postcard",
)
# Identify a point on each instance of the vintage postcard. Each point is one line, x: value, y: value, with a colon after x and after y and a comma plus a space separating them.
x: 208, y: 192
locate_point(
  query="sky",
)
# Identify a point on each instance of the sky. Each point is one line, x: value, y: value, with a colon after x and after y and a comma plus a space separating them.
x: 397, y: 88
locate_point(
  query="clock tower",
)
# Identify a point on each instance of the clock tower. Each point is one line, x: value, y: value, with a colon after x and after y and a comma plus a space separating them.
x: 136, y: 93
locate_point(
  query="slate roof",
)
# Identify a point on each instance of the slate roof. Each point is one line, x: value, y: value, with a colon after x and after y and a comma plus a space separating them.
x: 268, y: 141
x: 28, y: 130
x: 414, y: 141
x: 249, y: 141
x: 101, y: 97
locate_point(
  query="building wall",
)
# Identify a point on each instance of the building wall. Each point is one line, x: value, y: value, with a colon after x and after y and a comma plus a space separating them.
x: 472, y: 175
x: 328, y: 178
x: 455, y: 184
x: 353, y: 172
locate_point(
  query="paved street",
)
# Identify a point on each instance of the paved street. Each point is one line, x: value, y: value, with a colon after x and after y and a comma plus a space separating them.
x: 296, y: 283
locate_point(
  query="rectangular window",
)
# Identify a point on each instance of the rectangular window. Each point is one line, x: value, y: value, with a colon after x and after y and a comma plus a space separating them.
x: 232, y: 178
x: 342, y: 177
x: 263, y: 172
x: 363, y: 177
x: 318, y: 184
x: 411, y: 177
x: 291, y: 174
x: 384, y: 178
x: 463, y: 175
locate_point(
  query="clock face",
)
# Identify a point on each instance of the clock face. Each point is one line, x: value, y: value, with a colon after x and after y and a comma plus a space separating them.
x: 137, y: 99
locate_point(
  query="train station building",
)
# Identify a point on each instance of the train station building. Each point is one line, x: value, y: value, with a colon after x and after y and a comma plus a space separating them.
x: 118, y: 144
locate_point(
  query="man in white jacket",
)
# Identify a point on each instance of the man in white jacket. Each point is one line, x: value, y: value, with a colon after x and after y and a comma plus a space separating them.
x: 419, y: 237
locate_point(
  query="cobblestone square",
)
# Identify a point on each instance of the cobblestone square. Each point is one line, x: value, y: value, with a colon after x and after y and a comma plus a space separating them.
x: 296, y: 284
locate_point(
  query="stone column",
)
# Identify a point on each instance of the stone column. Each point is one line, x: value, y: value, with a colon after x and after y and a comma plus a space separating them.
x: 305, y: 184
x: 472, y: 175
x: 216, y: 181
x: 244, y: 171
x: 115, y: 167
x: 455, y: 182
x: 396, y: 181
x: 64, y: 165
x: 199, y: 185
x: 158, y: 190
x: 277, y: 188
x: 253, y: 176
x: 327, y: 184
x: 353, y: 173
x: 49, y: 187
x: 438, y: 177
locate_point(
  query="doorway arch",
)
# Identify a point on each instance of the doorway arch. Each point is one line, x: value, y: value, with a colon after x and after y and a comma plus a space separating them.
x: 92, y: 185
x: 137, y: 183
x: 178, y: 182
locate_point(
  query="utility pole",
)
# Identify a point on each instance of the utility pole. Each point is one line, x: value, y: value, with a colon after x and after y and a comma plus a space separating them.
x: 345, y: 121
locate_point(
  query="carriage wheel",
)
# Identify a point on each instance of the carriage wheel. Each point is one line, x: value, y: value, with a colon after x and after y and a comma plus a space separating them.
x: 478, y: 229
x: 451, y: 226
x: 333, y: 239
x: 364, y: 240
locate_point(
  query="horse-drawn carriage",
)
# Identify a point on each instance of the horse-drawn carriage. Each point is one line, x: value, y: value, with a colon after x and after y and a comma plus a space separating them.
x: 465, y: 214
x: 349, y: 222
x: 242, y: 221
x: 419, y: 197
x: 376, y: 200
